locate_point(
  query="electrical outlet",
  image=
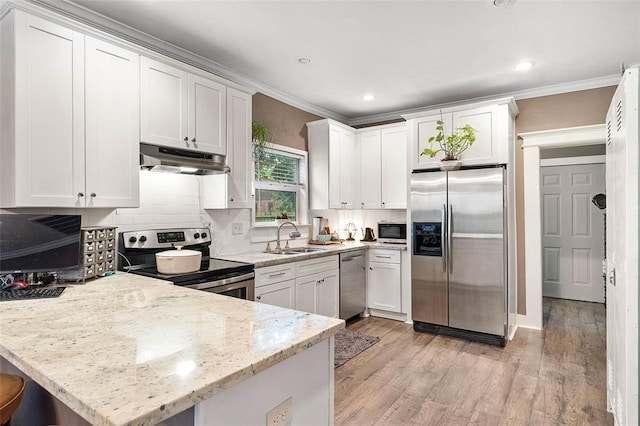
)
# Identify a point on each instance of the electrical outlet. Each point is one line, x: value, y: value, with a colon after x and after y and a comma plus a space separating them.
x: 282, y: 415
x: 236, y: 228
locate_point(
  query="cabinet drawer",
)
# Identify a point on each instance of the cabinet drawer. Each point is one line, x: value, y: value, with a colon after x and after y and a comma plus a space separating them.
x: 384, y: 256
x: 313, y: 266
x: 274, y: 274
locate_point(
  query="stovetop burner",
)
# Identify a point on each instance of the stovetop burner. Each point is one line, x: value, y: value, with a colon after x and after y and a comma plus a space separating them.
x: 139, y: 249
x: 210, y: 270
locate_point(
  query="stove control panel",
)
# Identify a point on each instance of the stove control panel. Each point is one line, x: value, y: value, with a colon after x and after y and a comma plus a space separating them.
x: 173, y: 237
x: 165, y: 238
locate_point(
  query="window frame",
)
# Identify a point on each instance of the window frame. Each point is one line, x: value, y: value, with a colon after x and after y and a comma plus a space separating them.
x: 301, y: 189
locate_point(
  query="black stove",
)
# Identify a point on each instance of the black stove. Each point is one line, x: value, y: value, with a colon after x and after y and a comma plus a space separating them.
x: 138, y: 250
x: 210, y: 269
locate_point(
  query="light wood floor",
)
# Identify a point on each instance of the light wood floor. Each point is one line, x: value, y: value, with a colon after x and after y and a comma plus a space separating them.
x: 557, y: 376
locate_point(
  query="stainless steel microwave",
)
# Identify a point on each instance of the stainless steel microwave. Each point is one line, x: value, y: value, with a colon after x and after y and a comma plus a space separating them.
x: 392, y: 232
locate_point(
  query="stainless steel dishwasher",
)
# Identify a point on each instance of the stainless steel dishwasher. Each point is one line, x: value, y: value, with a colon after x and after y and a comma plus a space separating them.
x: 352, y: 284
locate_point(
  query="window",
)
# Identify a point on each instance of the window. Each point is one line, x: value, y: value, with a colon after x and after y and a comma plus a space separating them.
x: 280, y: 186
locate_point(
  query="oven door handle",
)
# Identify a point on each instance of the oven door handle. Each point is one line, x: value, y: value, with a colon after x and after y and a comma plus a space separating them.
x: 218, y: 283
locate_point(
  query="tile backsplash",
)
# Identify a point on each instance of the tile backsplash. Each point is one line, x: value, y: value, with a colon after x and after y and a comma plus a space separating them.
x: 171, y: 200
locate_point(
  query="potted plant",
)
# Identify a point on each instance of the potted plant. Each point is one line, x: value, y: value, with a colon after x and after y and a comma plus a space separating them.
x: 282, y: 217
x: 261, y: 138
x: 451, y: 145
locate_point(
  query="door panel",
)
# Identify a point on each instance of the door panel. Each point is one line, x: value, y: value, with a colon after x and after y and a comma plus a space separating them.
x: 277, y: 294
x: 476, y: 255
x: 163, y: 104
x: 49, y: 111
x: 112, y: 125
x: 573, y: 231
x: 207, y: 115
x: 371, y: 174
x: 394, y: 168
x: 305, y: 293
x: 428, y: 273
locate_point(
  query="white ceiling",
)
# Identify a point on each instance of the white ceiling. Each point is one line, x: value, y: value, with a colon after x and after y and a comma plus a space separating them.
x: 410, y: 54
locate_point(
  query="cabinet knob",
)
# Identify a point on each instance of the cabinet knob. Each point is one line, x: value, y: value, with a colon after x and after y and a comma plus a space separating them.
x: 93, y: 194
x: 80, y: 194
x: 186, y: 139
x: 193, y: 140
x: 258, y: 297
x: 370, y: 268
x: 230, y: 199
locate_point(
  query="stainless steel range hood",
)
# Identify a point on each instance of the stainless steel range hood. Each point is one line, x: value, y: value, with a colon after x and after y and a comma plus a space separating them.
x: 175, y: 160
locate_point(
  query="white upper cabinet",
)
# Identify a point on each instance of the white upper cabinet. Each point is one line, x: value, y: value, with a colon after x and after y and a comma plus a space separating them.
x: 383, y: 167
x: 206, y: 112
x: 181, y: 110
x: 493, y: 122
x: 333, y: 166
x: 394, y: 167
x: 234, y: 189
x: 369, y: 146
x: 43, y: 144
x: 239, y: 154
x: 163, y: 103
x: 112, y: 124
x: 60, y: 149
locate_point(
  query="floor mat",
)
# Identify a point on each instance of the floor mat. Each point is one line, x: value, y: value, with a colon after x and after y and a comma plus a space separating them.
x: 349, y: 344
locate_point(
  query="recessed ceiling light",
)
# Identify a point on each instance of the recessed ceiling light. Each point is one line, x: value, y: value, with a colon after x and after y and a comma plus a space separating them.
x: 524, y: 66
x: 304, y: 60
x: 368, y: 97
x: 500, y: 3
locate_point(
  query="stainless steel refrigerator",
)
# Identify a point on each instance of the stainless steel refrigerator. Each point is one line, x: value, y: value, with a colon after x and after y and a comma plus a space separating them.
x: 459, y: 249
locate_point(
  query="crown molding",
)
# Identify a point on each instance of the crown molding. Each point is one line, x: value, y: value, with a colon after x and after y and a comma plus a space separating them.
x: 556, y: 89
x: 111, y: 27
x: 139, y: 38
x: 571, y: 136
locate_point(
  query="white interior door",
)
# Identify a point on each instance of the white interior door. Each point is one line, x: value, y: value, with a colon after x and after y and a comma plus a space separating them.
x: 572, y: 232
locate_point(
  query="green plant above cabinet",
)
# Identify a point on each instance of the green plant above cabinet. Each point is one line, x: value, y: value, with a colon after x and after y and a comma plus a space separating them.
x: 490, y: 142
x: 453, y: 144
x: 261, y: 138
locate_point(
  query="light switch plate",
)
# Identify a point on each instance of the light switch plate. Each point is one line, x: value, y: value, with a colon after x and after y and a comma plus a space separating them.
x: 236, y: 228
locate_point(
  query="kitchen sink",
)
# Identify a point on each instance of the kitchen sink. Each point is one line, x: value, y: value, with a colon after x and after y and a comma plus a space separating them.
x: 302, y: 250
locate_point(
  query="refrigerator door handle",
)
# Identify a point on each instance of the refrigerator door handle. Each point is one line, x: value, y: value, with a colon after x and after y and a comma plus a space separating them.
x: 443, y: 238
x: 449, y: 232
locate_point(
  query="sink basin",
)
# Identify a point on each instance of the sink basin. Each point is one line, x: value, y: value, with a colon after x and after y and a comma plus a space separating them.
x: 302, y: 250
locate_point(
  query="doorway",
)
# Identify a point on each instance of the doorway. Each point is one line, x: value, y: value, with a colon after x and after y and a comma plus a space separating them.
x: 572, y: 229
x: 532, y: 145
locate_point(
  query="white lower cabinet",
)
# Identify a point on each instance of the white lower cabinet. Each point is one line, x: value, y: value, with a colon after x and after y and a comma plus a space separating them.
x: 308, y: 285
x: 317, y: 286
x: 384, y: 280
x: 279, y: 294
x: 275, y: 285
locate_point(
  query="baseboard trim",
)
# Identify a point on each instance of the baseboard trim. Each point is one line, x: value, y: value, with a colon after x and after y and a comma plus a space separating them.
x: 526, y: 322
x: 388, y: 315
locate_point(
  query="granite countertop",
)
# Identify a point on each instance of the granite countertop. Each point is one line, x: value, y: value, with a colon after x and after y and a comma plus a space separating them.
x: 127, y: 349
x: 260, y: 259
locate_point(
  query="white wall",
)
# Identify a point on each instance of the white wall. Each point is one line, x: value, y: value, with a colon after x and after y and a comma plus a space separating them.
x: 175, y: 200
x: 172, y: 200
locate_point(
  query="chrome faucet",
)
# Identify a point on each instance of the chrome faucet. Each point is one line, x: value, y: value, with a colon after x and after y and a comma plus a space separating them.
x: 292, y: 235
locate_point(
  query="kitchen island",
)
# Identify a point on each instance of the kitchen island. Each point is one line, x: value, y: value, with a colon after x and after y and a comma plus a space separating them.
x: 127, y: 349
